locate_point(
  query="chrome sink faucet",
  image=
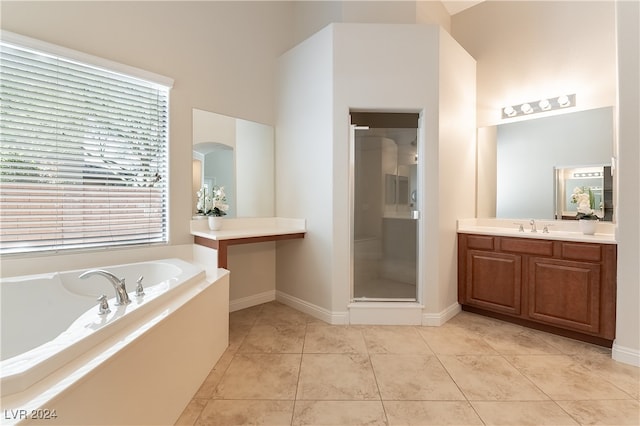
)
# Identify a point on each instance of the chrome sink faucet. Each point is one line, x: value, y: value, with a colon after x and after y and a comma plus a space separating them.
x: 122, y: 298
x: 532, y: 222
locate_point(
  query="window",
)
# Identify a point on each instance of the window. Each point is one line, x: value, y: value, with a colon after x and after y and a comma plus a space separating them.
x: 83, y: 152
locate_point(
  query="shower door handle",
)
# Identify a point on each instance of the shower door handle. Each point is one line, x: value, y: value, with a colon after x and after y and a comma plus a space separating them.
x: 415, y: 214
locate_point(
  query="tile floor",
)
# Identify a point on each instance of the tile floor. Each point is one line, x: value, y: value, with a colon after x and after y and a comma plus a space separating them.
x: 283, y: 367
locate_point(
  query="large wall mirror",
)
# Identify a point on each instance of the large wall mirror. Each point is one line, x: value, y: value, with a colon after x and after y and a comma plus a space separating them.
x: 237, y: 155
x: 533, y: 165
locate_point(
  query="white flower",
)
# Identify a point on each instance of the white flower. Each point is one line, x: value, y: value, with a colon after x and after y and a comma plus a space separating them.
x: 214, y: 204
x: 584, y: 199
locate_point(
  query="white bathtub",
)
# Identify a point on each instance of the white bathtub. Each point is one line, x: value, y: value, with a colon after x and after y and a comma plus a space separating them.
x: 59, y: 353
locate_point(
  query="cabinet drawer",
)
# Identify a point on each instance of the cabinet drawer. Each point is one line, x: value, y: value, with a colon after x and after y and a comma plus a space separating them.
x: 480, y: 242
x: 581, y: 251
x: 522, y: 245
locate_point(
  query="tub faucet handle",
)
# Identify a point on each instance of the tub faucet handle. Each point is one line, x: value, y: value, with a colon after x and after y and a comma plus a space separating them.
x: 103, y: 307
x: 139, y: 288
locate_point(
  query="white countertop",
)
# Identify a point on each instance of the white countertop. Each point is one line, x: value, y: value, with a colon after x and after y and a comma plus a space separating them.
x: 565, y: 230
x: 234, y: 228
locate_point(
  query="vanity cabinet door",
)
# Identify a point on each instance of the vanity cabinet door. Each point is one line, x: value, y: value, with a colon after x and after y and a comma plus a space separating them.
x: 564, y: 293
x: 493, y: 281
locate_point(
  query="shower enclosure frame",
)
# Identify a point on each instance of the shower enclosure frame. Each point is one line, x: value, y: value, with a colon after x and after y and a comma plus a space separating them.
x: 418, y: 209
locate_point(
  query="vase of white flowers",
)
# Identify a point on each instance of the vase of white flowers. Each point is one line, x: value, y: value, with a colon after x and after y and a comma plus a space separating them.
x: 213, y: 205
x: 585, y: 200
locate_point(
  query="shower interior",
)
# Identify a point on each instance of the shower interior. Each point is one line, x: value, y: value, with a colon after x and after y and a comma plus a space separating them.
x: 385, y: 222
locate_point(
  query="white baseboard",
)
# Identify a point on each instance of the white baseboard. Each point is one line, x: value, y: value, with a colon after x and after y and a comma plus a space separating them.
x: 385, y: 313
x: 626, y: 355
x: 253, y: 300
x: 313, y: 310
x: 381, y: 313
x: 436, y: 320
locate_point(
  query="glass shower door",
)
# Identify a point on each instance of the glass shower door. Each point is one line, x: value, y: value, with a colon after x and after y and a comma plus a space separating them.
x: 385, y: 217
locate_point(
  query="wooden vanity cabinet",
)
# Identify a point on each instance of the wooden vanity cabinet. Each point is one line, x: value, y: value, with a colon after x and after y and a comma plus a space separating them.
x: 559, y: 286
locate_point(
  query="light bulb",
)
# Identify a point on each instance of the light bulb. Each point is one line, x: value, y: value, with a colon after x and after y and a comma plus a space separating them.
x: 526, y: 108
x: 509, y: 111
x: 544, y: 104
x: 563, y: 101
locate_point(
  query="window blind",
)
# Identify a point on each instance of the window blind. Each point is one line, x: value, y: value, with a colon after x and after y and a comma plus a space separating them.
x: 83, y: 155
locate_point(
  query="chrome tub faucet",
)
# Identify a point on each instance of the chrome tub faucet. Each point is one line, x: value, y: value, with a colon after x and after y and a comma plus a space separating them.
x: 122, y: 298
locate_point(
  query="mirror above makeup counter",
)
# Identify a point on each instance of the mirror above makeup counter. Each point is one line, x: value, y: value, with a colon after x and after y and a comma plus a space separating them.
x: 239, y: 156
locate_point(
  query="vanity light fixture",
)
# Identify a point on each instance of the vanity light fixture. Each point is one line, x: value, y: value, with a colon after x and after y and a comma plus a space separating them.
x: 546, y: 104
x: 588, y: 174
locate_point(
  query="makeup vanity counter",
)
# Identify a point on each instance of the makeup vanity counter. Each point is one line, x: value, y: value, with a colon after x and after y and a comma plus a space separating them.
x: 559, y: 281
x: 245, y: 231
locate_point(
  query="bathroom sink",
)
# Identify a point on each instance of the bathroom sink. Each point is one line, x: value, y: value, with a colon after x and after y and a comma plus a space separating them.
x: 556, y: 230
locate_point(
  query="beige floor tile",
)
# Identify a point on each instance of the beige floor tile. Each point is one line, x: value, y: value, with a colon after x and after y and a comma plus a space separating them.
x: 235, y: 341
x: 475, y: 322
x: 191, y: 412
x: 334, y: 339
x: 489, y: 378
x: 571, y: 346
x: 453, y: 339
x: 614, y: 413
x: 504, y: 337
x: 522, y: 413
x: 413, y: 377
x: 266, y: 338
x: 346, y: 374
x: 246, y: 412
x: 394, y: 340
x: 339, y: 413
x: 276, y: 313
x: 515, y: 340
x: 215, y: 375
x: 425, y: 413
x: 562, y: 378
x: 623, y: 376
x: 260, y: 376
x: 240, y: 323
x: 336, y: 377
x: 244, y: 319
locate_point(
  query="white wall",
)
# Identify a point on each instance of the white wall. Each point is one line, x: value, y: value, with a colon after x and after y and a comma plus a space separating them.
x: 253, y: 274
x: 354, y: 67
x: 312, y: 16
x: 486, y: 172
x: 627, y: 344
x: 457, y: 164
x: 367, y: 77
x: 530, y: 49
x: 304, y: 180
